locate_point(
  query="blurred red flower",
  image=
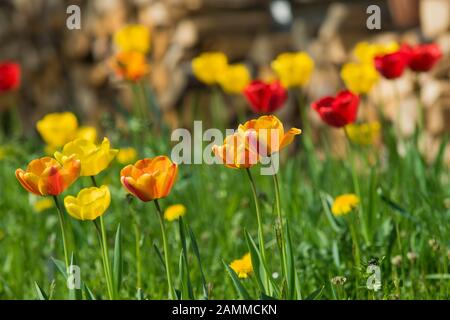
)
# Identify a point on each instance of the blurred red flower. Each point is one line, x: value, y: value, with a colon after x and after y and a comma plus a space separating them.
x: 423, y: 57
x: 265, y: 97
x: 9, y: 76
x: 338, y: 111
x: 392, y: 65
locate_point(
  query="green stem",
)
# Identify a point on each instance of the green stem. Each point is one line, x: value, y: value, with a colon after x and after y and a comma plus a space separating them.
x: 106, y: 268
x: 259, y: 220
x: 166, y: 250
x: 63, y: 231
x: 137, y: 236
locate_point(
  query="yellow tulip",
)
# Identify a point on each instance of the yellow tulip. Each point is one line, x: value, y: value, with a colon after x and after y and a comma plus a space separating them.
x: 365, y: 52
x: 174, y: 212
x: 89, y: 204
x: 130, y: 66
x: 293, y: 68
x: 209, y: 67
x: 93, y: 158
x: 133, y: 37
x: 87, y: 133
x: 235, y: 78
x: 243, y: 267
x: 359, y: 77
x: 344, y: 204
x: 363, y: 133
x: 127, y: 155
x: 57, y: 128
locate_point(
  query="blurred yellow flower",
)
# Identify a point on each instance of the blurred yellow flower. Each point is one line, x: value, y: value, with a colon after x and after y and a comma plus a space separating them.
x: 293, y: 68
x: 365, y: 52
x: 343, y: 204
x: 56, y: 129
x: 130, y: 66
x: 2, y: 153
x: 93, y: 158
x: 126, y: 155
x: 234, y: 78
x: 363, y: 133
x: 89, y: 204
x: 174, y: 212
x: 243, y: 267
x: 87, y: 133
x: 134, y: 37
x: 359, y: 77
x: 209, y: 66
x: 42, y: 205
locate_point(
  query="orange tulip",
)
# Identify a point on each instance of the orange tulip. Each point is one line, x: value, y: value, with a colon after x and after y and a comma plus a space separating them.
x: 270, y: 134
x: 46, y: 176
x: 149, y: 179
x: 234, y: 153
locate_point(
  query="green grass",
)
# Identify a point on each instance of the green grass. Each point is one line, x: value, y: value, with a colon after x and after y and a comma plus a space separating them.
x: 402, y: 209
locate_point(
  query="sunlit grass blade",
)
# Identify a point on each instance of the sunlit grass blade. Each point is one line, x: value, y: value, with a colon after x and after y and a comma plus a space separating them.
x: 290, y: 265
x: 315, y: 295
x: 88, y: 293
x: 117, y: 261
x: 258, y: 265
x: 40, y: 292
x: 182, y: 230
x: 197, y: 255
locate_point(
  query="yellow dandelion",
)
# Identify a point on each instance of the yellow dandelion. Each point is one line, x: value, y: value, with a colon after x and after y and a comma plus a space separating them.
x: 174, y: 212
x: 243, y: 267
x: 42, y: 205
x: 343, y: 204
x: 126, y: 155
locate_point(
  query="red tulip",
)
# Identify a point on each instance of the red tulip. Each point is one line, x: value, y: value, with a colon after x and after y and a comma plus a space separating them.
x: 392, y: 65
x: 265, y: 97
x: 338, y: 111
x: 9, y: 76
x: 423, y: 57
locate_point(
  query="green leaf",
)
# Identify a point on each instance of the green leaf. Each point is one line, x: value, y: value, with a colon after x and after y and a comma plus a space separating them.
x: 118, y: 260
x: 326, y: 200
x: 197, y: 255
x: 40, y: 292
x: 185, y: 257
x: 60, y: 266
x: 315, y: 295
x: 88, y: 293
x: 158, y: 253
x: 257, y: 263
x: 290, y: 263
x: 237, y: 283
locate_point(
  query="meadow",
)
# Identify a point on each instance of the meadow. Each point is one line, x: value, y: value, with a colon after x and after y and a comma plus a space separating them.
x: 396, y: 222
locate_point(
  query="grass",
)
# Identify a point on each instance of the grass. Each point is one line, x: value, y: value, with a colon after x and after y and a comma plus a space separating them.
x: 404, y: 208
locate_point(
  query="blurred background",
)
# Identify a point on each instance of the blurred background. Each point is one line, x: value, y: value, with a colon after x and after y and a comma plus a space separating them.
x: 69, y: 69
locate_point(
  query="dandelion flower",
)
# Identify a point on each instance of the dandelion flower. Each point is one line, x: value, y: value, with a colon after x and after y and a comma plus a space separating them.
x: 174, y: 212
x: 243, y: 267
x: 343, y: 204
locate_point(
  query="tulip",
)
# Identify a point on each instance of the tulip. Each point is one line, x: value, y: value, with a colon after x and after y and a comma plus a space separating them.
x: 338, y: 111
x: 126, y: 155
x: 209, y: 67
x: 56, y: 129
x: 392, y: 65
x: 9, y: 76
x: 46, y: 176
x: 235, y: 153
x: 89, y: 204
x: 130, y: 66
x: 149, y: 179
x: 423, y: 57
x: 265, y: 97
x: 270, y: 134
x: 86, y: 133
x: 234, y: 79
x: 94, y: 159
x: 293, y: 68
x: 364, y: 133
x: 366, y: 52
x: 133, y: 37
x: 359, y: 77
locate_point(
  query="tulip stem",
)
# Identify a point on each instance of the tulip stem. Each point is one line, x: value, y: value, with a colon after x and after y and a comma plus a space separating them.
x: 63, y: 231
x: 166, y: 250
x: 259, y: 219
x: 106, y: 268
